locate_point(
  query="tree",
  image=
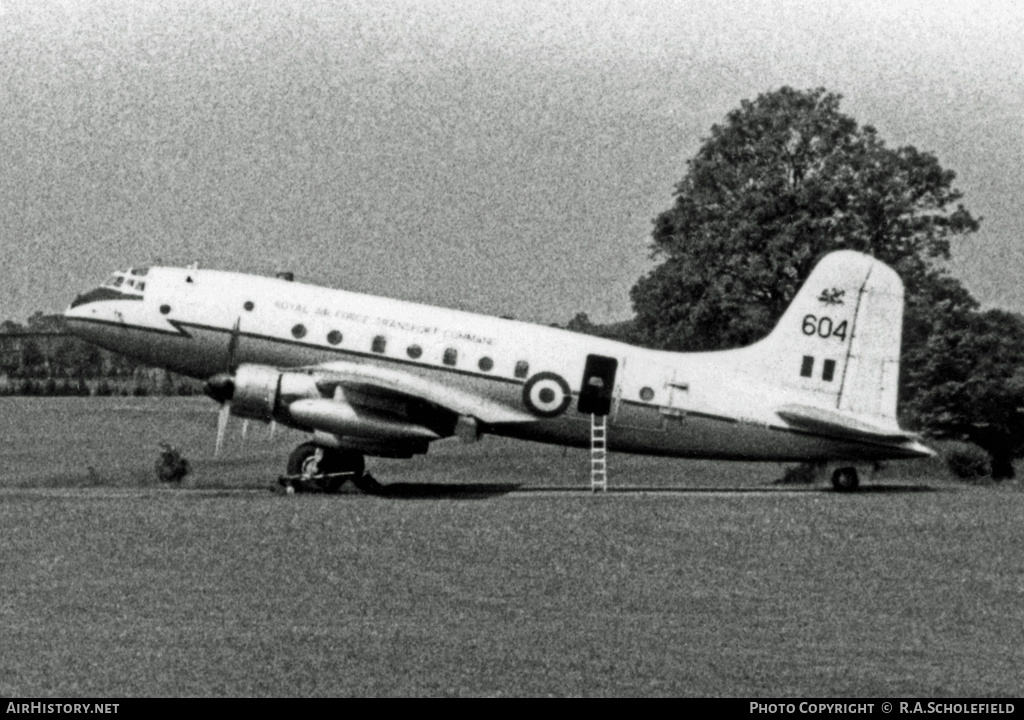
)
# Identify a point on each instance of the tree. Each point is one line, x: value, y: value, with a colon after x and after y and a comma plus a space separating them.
x: 40, y: 322
x: 623, y: 331
x: 788, y: 178
x: 970, y: 384
x: 33, y: 360
x: 581, y: 323
x: 785, y: 180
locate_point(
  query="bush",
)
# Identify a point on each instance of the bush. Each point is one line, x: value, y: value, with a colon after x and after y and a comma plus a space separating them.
x: 968, y: 462
x: 171, y: 466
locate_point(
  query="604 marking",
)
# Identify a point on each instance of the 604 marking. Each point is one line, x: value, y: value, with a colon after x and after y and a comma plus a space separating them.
x: 823, y: 327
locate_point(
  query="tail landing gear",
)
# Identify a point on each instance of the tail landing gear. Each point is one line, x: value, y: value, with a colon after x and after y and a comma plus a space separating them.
x: 845, y: 479
x: 320, y: 469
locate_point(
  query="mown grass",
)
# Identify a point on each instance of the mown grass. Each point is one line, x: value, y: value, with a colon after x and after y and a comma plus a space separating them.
x: 83, y: 442
x: 112, y: 591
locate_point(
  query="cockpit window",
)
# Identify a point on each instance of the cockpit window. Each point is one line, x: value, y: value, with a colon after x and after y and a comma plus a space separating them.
x: 129, y: 282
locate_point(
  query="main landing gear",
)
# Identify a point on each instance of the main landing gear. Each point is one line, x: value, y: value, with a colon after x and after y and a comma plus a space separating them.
x: 313, y: 468
x: 845, y: 479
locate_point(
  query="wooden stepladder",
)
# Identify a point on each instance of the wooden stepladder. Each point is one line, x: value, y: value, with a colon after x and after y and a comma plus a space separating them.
x: 598, y: 452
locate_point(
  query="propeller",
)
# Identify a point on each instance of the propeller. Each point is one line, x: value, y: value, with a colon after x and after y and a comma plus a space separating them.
x: 222, y: 426
x: 221, y: 387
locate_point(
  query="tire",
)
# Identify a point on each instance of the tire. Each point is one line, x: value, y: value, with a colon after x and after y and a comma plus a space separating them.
x: 333, y: 461
x: 845, y: 479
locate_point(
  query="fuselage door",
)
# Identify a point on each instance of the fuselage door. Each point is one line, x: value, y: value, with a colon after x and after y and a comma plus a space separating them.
x: 598, y: 385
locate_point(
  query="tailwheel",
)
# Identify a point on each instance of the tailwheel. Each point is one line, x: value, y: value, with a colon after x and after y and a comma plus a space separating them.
x: 845, y: 479
x: 324, y: 469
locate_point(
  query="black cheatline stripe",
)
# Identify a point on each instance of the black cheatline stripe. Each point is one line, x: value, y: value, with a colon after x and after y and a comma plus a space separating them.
x: 111, y: 323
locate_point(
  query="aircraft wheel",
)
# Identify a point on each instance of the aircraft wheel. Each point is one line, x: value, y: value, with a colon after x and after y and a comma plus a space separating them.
x: 845, y: 479
x: 303, y: 461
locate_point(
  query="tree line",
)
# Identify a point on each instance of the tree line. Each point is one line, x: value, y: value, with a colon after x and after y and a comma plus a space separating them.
x: 38, y: 358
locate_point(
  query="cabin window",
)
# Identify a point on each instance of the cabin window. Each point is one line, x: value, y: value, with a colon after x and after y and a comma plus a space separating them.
x: 380, y: 344
x: 140, y: 285
x: 485, y: 364
x: 646, y: 394
x: 828, y: 371
x: 414, y: 351
x: 807, y: 368
x: 451, y: 356
x: 299, y: 331
x: 249, y: 305
x: 334, y: 337
x: 164, y: 309
x: 522, y: 369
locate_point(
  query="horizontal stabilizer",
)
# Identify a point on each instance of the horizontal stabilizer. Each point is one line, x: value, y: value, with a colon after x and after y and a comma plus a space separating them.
x: 831, y: 422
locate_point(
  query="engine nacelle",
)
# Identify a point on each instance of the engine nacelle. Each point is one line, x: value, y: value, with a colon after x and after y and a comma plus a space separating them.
x: 263, y: 393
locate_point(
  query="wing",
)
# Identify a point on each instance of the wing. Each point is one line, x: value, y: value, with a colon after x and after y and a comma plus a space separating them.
x: 375, y: 408
x: 386, y: 383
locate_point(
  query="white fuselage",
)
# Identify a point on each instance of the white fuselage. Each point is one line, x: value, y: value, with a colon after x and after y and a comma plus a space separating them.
x: 716, y: 404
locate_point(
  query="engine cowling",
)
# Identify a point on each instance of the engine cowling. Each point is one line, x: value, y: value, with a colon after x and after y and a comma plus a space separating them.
x: 260, y: 392
x: 263, y: 393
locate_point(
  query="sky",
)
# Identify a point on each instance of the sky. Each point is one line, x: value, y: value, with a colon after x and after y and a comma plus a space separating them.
x: 501, y: 157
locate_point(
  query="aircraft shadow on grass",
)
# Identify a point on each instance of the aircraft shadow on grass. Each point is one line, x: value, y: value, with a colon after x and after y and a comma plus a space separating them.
x: 422, y: 491
x: 449, y: 491
x: 483, y: 491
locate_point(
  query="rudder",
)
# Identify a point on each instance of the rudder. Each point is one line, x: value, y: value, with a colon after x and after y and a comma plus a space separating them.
x: 838, y: 344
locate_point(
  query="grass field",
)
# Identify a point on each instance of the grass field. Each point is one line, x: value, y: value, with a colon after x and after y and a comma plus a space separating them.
x: 114, y: 585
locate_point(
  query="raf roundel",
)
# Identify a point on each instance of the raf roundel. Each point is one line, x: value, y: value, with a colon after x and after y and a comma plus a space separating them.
x: 547, y: 395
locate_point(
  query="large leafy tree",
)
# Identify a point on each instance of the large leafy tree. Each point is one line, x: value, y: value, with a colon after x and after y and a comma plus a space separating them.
x: 970, y: 379
x: 784, y: 180
x: 788, y: 178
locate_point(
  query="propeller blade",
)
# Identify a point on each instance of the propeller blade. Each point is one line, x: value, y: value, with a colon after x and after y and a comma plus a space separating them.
x: 233, y: 345
x: 221, y: 387
x: 222, y: 426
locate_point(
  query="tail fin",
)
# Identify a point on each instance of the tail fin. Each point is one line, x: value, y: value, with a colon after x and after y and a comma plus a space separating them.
x: 837, y: 346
